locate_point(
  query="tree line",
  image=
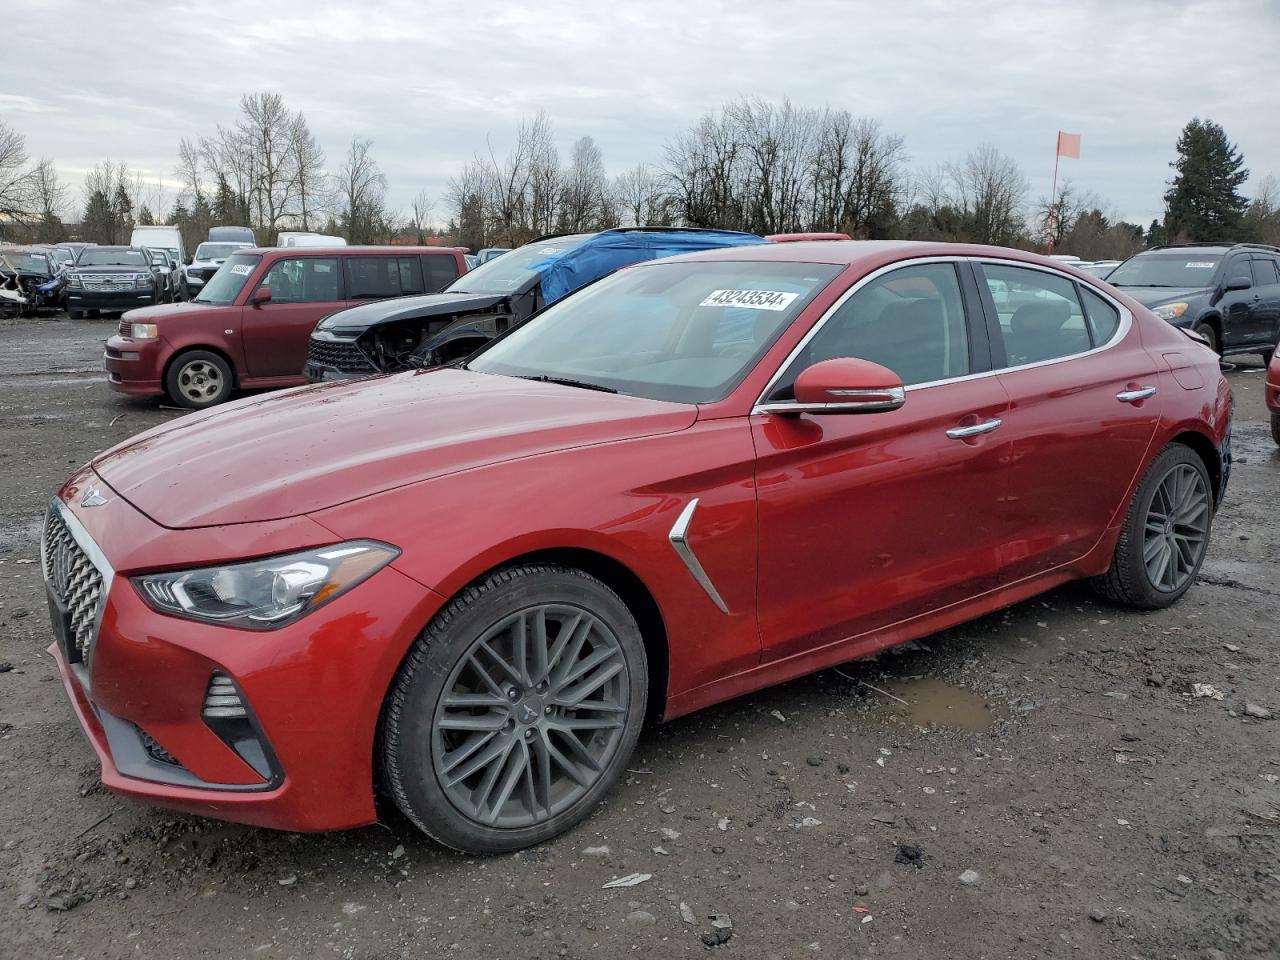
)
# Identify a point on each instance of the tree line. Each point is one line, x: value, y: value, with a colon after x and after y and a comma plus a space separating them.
x: 750, y: 165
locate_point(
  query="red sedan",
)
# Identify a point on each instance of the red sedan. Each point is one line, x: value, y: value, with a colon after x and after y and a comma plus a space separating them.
x: 1272, y: 394
x: 695, y: 478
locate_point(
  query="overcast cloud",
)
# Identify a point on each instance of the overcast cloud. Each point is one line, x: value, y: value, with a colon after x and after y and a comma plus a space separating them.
x: 430, y: 81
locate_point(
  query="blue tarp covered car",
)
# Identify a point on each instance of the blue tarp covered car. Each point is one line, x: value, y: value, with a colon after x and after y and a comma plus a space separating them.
x: 405, y: 332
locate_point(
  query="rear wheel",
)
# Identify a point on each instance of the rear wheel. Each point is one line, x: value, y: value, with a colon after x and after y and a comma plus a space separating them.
x: 1165, y: 534
x: 198, y: 379
x: 1210, y: 333
x: 516, y: 710
x: 1275, y: 427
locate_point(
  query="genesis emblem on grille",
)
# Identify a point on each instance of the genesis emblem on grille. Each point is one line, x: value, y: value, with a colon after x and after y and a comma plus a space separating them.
x: 92, y: 498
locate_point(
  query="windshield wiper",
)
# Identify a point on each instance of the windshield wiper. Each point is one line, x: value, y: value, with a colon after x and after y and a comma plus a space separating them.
x: 568, y: 382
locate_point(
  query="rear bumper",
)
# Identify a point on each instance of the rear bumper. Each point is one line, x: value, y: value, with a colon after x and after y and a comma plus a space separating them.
x: 1272, y: 392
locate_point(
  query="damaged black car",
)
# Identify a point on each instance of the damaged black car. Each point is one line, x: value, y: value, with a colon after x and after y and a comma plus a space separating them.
x: 407, y: 332
x: 30, y: 280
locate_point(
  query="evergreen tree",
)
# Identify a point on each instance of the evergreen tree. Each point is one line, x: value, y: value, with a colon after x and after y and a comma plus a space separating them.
x: 99, y: 219
x: 1204, y: 202
x: 122, y: 209
x: 145, y: 218
x: 1156, y: 234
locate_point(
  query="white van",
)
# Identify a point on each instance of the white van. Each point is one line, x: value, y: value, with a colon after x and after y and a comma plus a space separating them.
x: 160, y: 238
x: 288, y: 238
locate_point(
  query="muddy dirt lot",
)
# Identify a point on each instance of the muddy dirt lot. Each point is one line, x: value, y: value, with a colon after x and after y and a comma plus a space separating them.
x: 1049, y: 789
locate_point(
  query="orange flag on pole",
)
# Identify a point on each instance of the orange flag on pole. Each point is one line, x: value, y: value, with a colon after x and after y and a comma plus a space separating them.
x: 1069, y: 145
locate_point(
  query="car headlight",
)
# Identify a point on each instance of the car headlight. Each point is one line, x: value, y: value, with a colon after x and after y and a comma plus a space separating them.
x: 1170, y: 311
x: 265, y: 594
x: 144, y: 331
x: 75, y: 281
x: 144, y: 280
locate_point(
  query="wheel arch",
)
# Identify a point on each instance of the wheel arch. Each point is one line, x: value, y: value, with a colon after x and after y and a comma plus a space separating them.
x: 1204, y: 448
x: 180, y: 352
x: 1213, y: 319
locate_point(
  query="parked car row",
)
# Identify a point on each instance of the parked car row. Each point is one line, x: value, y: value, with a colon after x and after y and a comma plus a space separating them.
x: 467, y: 588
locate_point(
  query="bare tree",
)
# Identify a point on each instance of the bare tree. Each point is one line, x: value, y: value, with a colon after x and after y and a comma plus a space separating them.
x: 584, y: 203
x: 859, y: 183
x: 18, y: 197
x: 638, y: 197
x: 362, y: 187
x: 420, y: 215
x: 267, y: 130
x: 308, y: 169
x: 989, y: 190
x: 466, y: 200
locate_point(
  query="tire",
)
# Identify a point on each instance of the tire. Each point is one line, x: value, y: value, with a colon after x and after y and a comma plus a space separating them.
x: 1131, y: 580
x: 1210, y: 333
x: 75, y: 314
x: 1266, y: 356
x: 524, y: 794
x: 1275, y: 427
x: 198, y: 379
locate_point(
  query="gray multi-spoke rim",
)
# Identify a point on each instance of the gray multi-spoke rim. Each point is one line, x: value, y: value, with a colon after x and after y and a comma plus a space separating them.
x: 199, y: 380
x: 530, y: 716
x: 1176, y: 531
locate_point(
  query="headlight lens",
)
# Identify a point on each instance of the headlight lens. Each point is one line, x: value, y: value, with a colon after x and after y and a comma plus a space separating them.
x: 75, y: 280
x: 1170, y: 311
x: 144, y: 280
x: 265, y: 594
x: 144, y: 331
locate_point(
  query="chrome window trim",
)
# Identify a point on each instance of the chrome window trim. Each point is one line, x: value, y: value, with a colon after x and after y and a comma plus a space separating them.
x: 1122, y: 330
x: 679, y: 538
x: 99, y: 559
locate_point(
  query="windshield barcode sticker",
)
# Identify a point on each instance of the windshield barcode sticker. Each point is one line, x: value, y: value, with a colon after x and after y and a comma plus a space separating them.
x: 753, y: 299
x: 243, y: 269
x: 1201, y: 265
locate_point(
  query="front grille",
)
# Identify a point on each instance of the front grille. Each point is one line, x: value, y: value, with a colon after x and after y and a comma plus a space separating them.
x: 126, y: 327
x: 206, y: 273
x: 75, y: 581
x: 106, y: 282
x: 342, y: 355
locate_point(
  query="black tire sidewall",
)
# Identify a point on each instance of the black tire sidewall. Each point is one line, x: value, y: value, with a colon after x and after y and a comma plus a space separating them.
x: 408, y: 731
x: 1175, y: 455
x: 180, y: 361
x: 1208, y: 331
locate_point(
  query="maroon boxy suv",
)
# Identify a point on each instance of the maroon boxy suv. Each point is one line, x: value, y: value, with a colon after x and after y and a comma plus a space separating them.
x: 250, y: 325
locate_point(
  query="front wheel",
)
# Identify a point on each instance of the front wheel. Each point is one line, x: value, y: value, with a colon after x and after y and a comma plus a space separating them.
x: 1266, y: 356
x: 198, y: 379
x: 516, y: 709
x: 1165, y: 534
x: 1210, y: 333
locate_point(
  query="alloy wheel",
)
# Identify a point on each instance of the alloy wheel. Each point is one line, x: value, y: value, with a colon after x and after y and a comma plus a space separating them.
x: 531, y: 716
x: 200, y: 381
x: 1175, y: 534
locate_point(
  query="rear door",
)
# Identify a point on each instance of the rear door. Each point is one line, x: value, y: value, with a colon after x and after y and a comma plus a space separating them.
x: 1084, y: 407
x: 1264, y: 318
x: 276, y: 333
x: 870, y: 519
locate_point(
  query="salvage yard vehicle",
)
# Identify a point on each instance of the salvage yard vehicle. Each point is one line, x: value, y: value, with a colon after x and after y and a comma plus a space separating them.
x: 488, y: 300
x: 160, y: 237
x: 1229, y: 293
x: 303, y: 238
x: 240, y: 235
x: 250, y: 324
x: 693, y: 479
x: 164, y: 266
x: 209, y: 256
x: 30, y: 280
x: 111, y: 280
x: 1273, y: 395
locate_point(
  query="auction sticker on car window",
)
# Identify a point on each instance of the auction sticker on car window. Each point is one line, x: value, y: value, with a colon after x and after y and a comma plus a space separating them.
x: 243, y: 269
x: 1201, y: 265
x: 754, y: 299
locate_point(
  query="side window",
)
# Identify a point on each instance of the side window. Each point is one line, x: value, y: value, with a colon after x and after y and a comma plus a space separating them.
x: 372, y: 278
x: 1040, y: 316
x: 303, y: 280
x: 1238, y: 267
x: 442, y: 270
x: 1264, y: 273
x: 1104, y: 319
x: 910, y: 320
x: 410, y: 276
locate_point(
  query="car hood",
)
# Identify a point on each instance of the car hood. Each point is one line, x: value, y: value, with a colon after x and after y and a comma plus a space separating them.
x: 137, y: 268
x: 163, y: 311
x: 1154, y: 296
x: 356, y: 320
x: 291, y: 453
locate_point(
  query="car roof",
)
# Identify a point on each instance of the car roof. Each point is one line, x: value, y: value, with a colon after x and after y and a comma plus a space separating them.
x: 335, y: 251
x: 862, y: 252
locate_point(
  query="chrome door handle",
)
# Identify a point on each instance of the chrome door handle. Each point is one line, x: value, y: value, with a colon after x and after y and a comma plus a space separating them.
x: 1133, y: 396
x: 963, y: 433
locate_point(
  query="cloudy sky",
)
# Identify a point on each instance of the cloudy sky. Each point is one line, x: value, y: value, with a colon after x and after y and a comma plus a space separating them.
x: 430, y: 81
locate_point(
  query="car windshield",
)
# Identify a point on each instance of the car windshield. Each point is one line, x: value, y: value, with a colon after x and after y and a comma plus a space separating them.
x: 28, y: 262
x: 509, y: 272
x: 685, y: 331
x: 217, y: 251
x: 1185, y: 268
x: 229, y: 280
x: 111, y: 257
x: 61, y: 256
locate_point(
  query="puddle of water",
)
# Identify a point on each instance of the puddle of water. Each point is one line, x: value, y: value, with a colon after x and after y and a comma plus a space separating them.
x: 931, y: 702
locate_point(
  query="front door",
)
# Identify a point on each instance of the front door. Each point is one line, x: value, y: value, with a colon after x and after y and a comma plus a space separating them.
x: 870, y: 519
x: 1236, y: 306
x: 1084, y: 410
x: 276, y: 333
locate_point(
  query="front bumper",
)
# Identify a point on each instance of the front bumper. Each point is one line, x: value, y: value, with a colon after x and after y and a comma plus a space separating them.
x: 313, y: 689
x: 135, y: 367
x: 111, y: 300
x: 1272, y: 392
x: 336, y: 358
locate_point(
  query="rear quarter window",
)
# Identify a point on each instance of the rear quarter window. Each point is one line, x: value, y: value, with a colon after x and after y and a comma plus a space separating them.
x: 440, y: 270
x: 1104, y: 319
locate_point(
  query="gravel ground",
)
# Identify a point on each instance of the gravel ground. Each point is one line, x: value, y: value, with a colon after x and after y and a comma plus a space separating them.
x: 1049, y: 788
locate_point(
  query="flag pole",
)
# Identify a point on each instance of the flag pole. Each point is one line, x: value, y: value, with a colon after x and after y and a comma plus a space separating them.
x: 1053, y: 193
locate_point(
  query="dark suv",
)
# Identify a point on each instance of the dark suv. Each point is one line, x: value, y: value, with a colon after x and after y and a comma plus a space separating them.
x: 1229, y: 293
